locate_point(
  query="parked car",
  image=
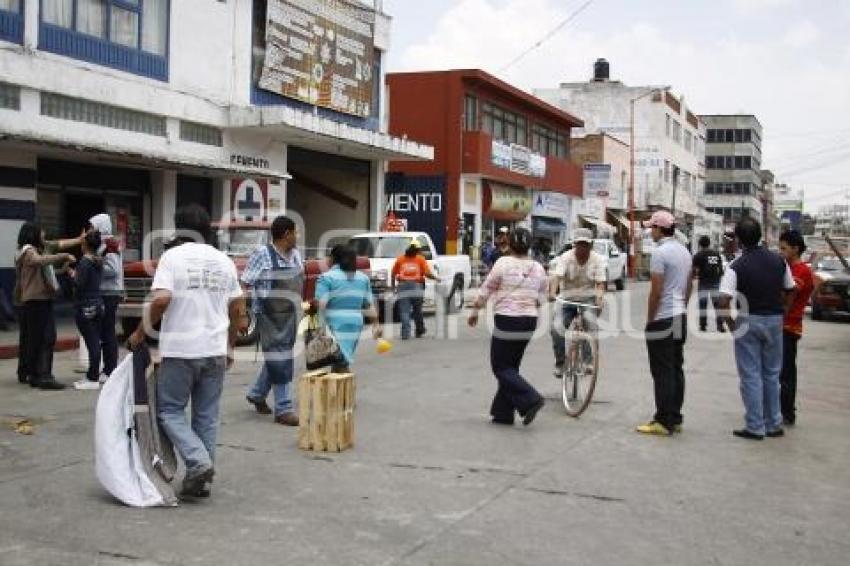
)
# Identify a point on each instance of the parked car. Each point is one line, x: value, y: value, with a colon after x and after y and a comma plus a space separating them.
x: 382, y: 249
x: 832, y: 296
x: 617, y: 262
x: 238, y: 240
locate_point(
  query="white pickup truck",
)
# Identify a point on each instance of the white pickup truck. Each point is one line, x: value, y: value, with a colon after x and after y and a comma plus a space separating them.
x: 617, y: 268
x: 382, y: 249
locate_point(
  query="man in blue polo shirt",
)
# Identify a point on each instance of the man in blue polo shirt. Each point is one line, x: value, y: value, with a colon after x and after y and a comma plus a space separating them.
x: 762, y: 282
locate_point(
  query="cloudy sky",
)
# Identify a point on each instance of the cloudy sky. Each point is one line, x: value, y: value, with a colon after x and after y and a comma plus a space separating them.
x: 786, y: 61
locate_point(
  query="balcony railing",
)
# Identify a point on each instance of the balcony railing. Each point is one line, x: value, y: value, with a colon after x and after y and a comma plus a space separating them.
x: 11, y: 26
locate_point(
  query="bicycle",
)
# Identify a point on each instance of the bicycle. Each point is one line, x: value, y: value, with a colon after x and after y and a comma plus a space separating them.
x: 582, y: 363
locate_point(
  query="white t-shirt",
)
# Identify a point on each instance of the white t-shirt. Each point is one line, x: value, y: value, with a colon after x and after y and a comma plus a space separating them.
x: 202, y: 282
x: 578, y: 281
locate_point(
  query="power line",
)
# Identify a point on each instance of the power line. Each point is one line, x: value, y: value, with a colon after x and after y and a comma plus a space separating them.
x: 548, y: 36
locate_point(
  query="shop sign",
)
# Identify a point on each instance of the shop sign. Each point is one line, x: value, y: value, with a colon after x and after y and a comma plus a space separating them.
x: 321, y: 52
x: 517, y: 158
x: 418, y: 204
x: 249, y: 199
x: 509, y: 203
x: 553, y: 205
x: 597, y: 180
x: 249, y: 161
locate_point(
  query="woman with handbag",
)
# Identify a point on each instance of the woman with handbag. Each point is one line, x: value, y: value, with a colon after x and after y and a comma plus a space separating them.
x: 344, y: 296
x: 35, y: 289
x: 89, y: 307
x: 518, y: 285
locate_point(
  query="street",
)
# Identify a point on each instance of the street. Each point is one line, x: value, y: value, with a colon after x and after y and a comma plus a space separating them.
x: 431, y: 481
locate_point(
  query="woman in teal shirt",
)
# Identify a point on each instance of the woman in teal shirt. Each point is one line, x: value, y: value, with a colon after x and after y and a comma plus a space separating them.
x: 345, y: 296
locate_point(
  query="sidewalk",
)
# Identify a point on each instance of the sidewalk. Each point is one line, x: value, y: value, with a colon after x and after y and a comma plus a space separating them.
x: 66, y: 338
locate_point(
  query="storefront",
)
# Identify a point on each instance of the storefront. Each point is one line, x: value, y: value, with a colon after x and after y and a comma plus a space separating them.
x: 504, y: 206
x: 549, y: 216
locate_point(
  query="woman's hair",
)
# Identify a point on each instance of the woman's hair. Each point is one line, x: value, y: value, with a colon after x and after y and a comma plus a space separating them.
x: 411, y: 250
x: 344, y: 256
x: 93, y: 241
x: 30, y: 235
x: 795, y: 240
x: 520, y: 241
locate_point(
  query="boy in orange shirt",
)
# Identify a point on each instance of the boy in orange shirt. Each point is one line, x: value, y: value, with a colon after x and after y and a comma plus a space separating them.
x: 408, y: 276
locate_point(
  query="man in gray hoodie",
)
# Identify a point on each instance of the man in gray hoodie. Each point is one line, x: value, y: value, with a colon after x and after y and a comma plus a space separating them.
x: 111, y: 288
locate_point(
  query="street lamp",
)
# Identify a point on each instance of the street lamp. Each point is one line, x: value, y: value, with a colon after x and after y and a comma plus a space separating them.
x: 632, y: 174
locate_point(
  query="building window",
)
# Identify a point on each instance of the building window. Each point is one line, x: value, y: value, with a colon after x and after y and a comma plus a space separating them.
x: 12, y: 21
x: 131, y: 35
x: 10, y: 97
x: 548, y: 141
x: 667, y: 126
x: 677, y: 132
x: 78, y: 110
x: 470, y: 113
x: 200, y: 133
x: 504, y: 125
x: 666, y: 171
x: 688, y: 140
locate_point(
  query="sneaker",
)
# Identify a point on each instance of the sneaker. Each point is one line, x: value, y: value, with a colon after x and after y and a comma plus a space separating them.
x: 529, y: 415
x: 260, y: 405
x: 197, y: 486
x: 775, y: 433
x: 559, y: 371
x: 744, y: 433
x: 47, y: 384
x: 653, y: 427
x: 86, y: 385
x: 421, y: 333
x: 103, y: 378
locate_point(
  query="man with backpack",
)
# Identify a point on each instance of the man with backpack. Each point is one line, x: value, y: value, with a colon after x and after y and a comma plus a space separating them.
x: 708, y: 269
x: 275, y: 272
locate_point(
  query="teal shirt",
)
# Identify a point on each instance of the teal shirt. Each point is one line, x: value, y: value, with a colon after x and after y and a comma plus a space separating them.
x: 346, y: 298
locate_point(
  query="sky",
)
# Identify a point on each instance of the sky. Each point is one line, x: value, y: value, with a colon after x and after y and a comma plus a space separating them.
x: 786, y: 61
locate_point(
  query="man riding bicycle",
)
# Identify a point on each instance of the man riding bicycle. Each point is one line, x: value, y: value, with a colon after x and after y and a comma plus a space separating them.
x: 579, y: 276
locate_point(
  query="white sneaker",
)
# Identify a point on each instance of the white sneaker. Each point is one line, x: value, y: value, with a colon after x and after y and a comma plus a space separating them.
x: 86, y: 385
x: 559, y: 372
x: 102, y: 379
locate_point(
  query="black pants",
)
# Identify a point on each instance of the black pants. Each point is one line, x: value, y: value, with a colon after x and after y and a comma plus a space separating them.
x: 108, y: 339
x: 90, y: 329
x: 23, y: 363
x: 40, y: 340
x: 665, y: 343
x: 507, y: 348
x: 704, y: 296
x: 788, y: 377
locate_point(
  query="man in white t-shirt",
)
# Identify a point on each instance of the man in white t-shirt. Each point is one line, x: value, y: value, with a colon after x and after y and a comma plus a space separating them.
x: 197, y: 297
x: 578, y: 276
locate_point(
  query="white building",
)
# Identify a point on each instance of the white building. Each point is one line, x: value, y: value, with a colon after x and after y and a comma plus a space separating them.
x: 669, y: 139
x: 137, y: 107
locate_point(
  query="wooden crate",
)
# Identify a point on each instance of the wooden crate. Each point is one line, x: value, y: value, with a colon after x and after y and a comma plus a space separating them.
x: 326, y: 411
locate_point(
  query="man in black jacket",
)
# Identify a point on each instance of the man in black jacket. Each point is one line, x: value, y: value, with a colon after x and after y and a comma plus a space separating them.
x: 708, y: 269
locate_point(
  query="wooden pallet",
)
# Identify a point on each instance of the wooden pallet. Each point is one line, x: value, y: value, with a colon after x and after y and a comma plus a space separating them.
x: 326, y: 411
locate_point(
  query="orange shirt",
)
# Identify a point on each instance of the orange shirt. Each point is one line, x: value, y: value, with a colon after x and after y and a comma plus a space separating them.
x: 411, y: 269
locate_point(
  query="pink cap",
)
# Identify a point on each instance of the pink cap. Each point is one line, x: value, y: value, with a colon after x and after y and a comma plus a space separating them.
x: 662, y: 219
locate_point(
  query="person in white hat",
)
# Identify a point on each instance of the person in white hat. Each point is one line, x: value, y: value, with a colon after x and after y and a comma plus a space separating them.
x: 577, y: 276
x: 666, y: 324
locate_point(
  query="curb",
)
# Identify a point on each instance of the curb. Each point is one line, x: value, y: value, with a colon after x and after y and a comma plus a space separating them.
x: 10, y: 351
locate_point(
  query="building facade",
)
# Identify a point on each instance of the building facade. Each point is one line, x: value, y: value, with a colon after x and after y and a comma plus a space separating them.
x: 608, y: 160
x: 668, y: 138
x: 788, y: 204
x: 733, y: 167
x: 138, y: 107
x: 501, y: 158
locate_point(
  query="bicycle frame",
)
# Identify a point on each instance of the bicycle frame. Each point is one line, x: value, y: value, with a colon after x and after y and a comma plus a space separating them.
x: 579, y: 332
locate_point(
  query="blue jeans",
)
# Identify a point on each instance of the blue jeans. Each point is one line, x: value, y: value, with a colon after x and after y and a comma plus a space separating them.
x: 199, y: 381
x: 282, y: 392
x: 90, y: 330
x: 410, y: 299
x: 758, y: 354
x: 561, y: 321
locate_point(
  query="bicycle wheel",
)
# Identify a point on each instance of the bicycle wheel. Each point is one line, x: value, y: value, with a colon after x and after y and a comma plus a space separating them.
x: 581, y: 369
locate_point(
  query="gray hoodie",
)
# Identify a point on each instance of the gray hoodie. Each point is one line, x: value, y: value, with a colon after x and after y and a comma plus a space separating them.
x: 113, y: 265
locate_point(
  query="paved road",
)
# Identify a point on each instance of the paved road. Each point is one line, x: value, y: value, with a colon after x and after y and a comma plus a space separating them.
x: 430, y: 481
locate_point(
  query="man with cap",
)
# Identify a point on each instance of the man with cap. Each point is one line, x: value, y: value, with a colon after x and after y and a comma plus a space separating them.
x: 579, y: 276
x: 408, y: 277
x: 666, y: 324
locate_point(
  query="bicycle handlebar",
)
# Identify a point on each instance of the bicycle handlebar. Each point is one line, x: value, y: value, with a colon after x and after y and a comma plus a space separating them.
x: 577, y: 304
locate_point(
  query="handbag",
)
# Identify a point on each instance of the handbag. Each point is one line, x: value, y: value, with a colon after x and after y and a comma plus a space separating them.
x: 321, y: 348
x: 50, y: 278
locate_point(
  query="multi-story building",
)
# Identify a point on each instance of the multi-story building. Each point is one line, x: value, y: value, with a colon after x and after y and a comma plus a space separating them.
x: 605, y: 157
x: 733, y: 167
x: 768, y: 195
x: 668, y: 138
x: 833, y: 220
x: 502, y: 157
x: 788, y: 205
x: 138, y: 107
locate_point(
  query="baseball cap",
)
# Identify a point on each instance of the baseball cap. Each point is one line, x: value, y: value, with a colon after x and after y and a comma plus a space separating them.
x: 583, y: 235
x: 661, y: 219
x: 504, y: 230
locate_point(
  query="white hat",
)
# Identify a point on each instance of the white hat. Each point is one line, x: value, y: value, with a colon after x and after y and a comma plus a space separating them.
x: 583, y: 235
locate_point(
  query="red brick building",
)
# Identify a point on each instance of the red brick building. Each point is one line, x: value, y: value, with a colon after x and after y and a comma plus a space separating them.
x: 501, y: 158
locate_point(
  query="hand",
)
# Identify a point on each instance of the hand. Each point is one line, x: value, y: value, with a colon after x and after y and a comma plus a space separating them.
x: 230, y: 360
x: 377, y: 331
x: 136, y: 339
x: 473, y: 319
x: 65, y: 257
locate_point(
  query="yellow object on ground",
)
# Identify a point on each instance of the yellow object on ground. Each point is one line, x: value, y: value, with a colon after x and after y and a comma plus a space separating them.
x: 384, y: 346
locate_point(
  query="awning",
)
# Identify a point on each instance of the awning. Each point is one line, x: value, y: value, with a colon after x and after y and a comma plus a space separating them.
x: 548, y: 225
x: 604, y: 226
x: 623, y: 221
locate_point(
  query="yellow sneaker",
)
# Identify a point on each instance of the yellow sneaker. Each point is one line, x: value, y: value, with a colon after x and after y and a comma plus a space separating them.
x: 653, y: 427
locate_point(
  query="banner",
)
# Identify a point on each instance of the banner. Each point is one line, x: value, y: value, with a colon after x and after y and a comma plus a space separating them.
x: 517, y: 158
x: 321, y: 52
x: 597, y: 180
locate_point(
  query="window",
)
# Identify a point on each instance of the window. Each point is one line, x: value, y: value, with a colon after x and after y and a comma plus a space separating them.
x: 200, y: 133
x: 12, y: 20
x: 470, y: 113
x: 667, y: 126
x: 78, y: 110
x: 666, y: 171
x: 504, y: 125
x: 677, y: 132
x: 10, y: 97
x: 547, y: 141
x: 688, y: 140
x: 102, y: 31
